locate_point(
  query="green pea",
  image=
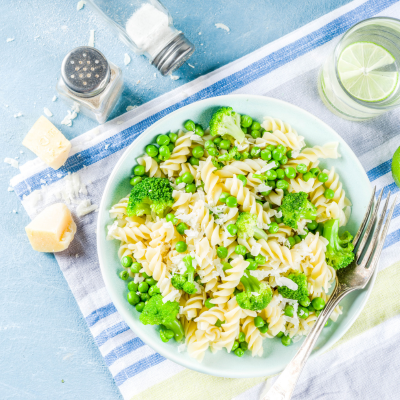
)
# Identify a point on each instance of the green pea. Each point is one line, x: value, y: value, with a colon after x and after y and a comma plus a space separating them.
x: 255, y: 134
x: 181, y: 228
x: 282, y: 184
x: 278, y: 220
x: 163, y: 140
x: 297, y: 238
x: 164, y: 153
x: 323, y: 177
x: 244, y: 130
x: 222, y: 252
x: 244, y: 346
x: 231, y: 201
x: 173, y: 137
x: 145, y: 276
x: 189, y: 125
x: 301, y: 168
x: 135, y: 180
x: 178, y: 180
x: 235, y: 345
x: 126, y: 261
x: 284, y: 160
x: 190, y: 188
x: 243, y: 179
x: 289, y: 311
x: 256, y: 126
x: 315, y: 172
x: 281, y: 148
x: 187, y: 177
x: 245, y: 155
x: 271, y: 147
x: 302, y: 312
x: 266, y: 193
x: 226, y: 266
x: 246, y: 121
x: 153, y: 290
x: 199, y: 130
x: 290, y: 172
x: 136, y: 267
x: 286, y: 341
x: 280, y: 173
x: 171, y: 147
x: 317, y: 312
x: 277, y: 155
x: 150, y: 281
x: 264, y: 328
x: 289, y: 154
x: 209, y: 144
x: 277, y: 165
x: 143, y: 287
x: 240, y: 249
x: 180, y: 247
x: 139, y: 170
x: 144, y: 297
x: 273, y: 228
x: 271, y: 174
x: 132, y: 286
x: 329, y: 194
x: 305, y: 302
x: 307, y: 176
x: 255, y: 152
x: 252, y: 265
x: 291, y: 241
x: 217, y: 140
x: 133, y: 298
x: 208, y: 303
x: 242, y: 337
x: 198, y: 151
x: 258, y: 322
x: 311, y: 308
x: 260, y: 259
x: 151, y: 150
x: 170, y: 217
x: 213, y: 152
x: 140, y: 306
x: 124, y: 275
x: 239, y: 352
x: 223, y: 197
x: 312, y: 225
x: 318, y: 303
x: 280, y: 334
x: 232, y: 229
x: 225, y: 144
x: 194, y: 161
x: 265, y: 155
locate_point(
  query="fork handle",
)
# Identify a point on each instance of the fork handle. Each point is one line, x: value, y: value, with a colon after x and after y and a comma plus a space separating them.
x: 284, y: 386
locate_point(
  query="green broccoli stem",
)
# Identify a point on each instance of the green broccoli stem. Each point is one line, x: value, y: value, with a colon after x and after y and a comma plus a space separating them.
x: 260, y: 177
x: 233, y: 129
x: 260, y: 233
x: 250, y: 283
x: 331, y: 232
x: 189, y: 268
x: 177, y: 328
x: 309, y: 215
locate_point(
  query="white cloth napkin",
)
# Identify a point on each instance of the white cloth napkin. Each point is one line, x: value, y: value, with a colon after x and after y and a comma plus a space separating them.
x: 285, y: 69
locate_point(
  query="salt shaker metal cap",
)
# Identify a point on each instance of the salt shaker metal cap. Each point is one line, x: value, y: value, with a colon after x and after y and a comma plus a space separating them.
x: 85, y: 71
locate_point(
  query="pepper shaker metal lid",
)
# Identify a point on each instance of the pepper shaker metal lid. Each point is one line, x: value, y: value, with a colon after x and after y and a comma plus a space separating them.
x: 85, y: 71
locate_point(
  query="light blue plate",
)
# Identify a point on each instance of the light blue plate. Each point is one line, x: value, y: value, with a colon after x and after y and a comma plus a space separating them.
x: 275, y: 356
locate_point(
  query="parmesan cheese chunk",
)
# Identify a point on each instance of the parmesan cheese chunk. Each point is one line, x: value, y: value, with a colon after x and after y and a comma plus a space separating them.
x: 52, y: 230
x: 48, y: 143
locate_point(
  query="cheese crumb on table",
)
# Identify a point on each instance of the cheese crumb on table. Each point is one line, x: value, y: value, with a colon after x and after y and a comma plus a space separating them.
x: 127, y: 59
x: 80, y: 5
x: 47, y: 112
x: 12, y: 162
x: 52, y: 230
x: 222, y: 26
x: 91, y: 38
x: 48, y: 143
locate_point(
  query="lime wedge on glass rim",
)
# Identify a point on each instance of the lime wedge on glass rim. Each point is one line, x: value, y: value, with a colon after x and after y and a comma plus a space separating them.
x: 396, y: 167
x: 367, y: 71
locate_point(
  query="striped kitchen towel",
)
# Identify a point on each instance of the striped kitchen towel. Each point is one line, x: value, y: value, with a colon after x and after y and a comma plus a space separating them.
x: 285, y: 69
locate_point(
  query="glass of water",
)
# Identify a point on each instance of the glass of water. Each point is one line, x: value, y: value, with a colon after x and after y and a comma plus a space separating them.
x: 360, y: 79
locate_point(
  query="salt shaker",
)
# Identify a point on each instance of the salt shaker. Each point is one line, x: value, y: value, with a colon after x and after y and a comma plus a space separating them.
x: 147, y: 28
x: 87, y: 78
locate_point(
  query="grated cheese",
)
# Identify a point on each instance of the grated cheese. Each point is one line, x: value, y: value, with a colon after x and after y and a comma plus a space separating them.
x: 12, y: 162
x: 47, y: 112
x: 222, y: 26
x: 283, y: 281
x: 80, y: 5
x: 174, y: 77
x: 85, y: 207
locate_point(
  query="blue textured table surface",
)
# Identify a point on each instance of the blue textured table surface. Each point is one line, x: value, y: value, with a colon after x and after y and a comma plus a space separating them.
x: 46, y: 349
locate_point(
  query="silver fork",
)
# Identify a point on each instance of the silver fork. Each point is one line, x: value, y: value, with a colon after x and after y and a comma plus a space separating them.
x: 368, y: 244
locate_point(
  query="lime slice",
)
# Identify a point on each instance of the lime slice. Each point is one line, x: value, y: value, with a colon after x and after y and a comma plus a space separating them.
x: 396, y: 167
x: 367, y: 71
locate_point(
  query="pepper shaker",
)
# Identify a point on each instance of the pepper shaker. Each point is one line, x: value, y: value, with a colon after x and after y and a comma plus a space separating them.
x: 87, y: 78
x: 147, y: 28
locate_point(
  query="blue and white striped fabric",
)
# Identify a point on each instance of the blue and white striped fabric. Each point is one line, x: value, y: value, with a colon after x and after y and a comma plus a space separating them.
x: 285, y: 69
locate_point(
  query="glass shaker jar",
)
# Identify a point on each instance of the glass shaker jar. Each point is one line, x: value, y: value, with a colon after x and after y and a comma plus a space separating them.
x: 89, y: 80
x: 147, y: 28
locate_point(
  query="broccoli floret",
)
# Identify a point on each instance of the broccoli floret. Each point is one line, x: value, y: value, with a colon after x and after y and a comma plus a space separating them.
x: 232, y: 154
x: 247, y: 227
x: 295, y: 207
x: 302, y: 287
x: 248, y: 300
x: 185, y: 281
x: 216, y: 163
x: 151, y: 194
x: 156, y: 312
x: 226, y: 122
x: 339, y: 252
